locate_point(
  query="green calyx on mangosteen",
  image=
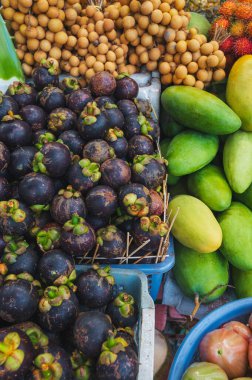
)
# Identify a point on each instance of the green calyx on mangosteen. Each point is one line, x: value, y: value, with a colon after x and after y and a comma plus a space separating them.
x: 125, y: 303
x: 145, y: 125
x: 76, y: 225
x: 69, y: 192
x: 48, y: 237
x: 53, y: 296
x: 11, y: 356
x: 135, y: 199
x: 50, y: 65
x: 123, y: 310
x: 47, y: 367
x: 90, y: 169
x: 44, y: 138
x: 112, y: 241
x: 154, y: 225
x: 27, y: 277
x: 14, y: 248
x: 82, y: 367
x: 69, y: 85
x: 37, y: 337
x: 110, y: 349
x: 104, y: 273
x: 149, y: 170
x: 11, y: 209
x: 113, y: 134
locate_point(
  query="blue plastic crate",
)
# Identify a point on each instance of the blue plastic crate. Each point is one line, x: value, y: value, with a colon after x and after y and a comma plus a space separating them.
x: 188, y: 351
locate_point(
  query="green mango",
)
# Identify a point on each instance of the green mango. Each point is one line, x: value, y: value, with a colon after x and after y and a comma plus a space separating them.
x: 164, y: 144
x: 168, y: 125
x: 200, y: 22
x: 195, y: 225
x: 236, y: 225
x: 204, y: 371
x: 200, y: 273
x: 190, y: 151
x: 179, y: 188
x: 237, y: 160
x: 245, y: 198
x: 242, y: 281
x: 210, y: 185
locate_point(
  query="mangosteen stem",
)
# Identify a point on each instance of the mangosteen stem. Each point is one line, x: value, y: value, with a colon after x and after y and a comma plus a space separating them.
x: 44, y: 139
x: 48, y: 368
x: 10, y: 356
x: 145, y: 125
x: 71, y: 83
x: 90, y: 169
x: 53, y: 296
x: 37, y: 163
x: 69, y: 192
x: 47, y: 238
x: 125, y: 302
x: 68, y: 281
x: 37, y: 337
x: 11, y: 209
x: 10, y: 116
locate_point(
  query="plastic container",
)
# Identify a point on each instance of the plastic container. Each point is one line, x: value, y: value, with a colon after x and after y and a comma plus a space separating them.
x: 135, y: 283
x: 188, y: 351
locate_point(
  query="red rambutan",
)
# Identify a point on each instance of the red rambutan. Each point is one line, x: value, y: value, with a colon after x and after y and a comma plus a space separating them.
x: 242, y: 46
x: 220, y: 22
x: 228, y: 8
x: 244, y: 11
x: 237, y: 29
x: 227, y: 45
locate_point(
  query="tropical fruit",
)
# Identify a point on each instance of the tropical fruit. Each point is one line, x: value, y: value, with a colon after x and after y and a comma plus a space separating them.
x: 237, y: 160
x: 195, y: 225
x: 200, y: 22
x: 245, y: 198
x: 242, y: 281
x: 205, y: 274
x: 239, y: 90
x: 190, y: 151
x: 236, y: 225
x: 209, y: 185
x: 200, y: 110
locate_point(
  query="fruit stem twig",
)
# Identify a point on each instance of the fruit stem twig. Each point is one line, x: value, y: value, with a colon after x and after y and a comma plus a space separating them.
x: 196, y: 307
x: 142, y: 257
x: 159, y: 249
x: 165, y: 197
x: 95, y: 253
x: 137, y: 249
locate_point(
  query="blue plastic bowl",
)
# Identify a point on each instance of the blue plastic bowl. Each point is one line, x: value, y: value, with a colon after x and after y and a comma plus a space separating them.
x: 189, y: 348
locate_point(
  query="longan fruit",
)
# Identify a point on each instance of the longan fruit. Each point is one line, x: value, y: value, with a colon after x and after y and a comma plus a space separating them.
x: 55, y: 25
x: 31, y: 32
x: 5, y: 3
x: 179, y: 4
x: 74, y: 71
x: 33, y: 44
x: 119, y: 52
x: 35, y: 9
x: 176, y: 80
x: 66, y: 54
x: 192, y: 67
x: 199, y: 84
x: 55, y: 52
x: 74, y: 61
x: 169, y: 35
x: 186, y: 58
x: 185, y: 21
x: 83, y: 42
x: 20, y: 54
x: 181, y: 46
x: 50, y: 36
x: 133, y: 59
x: 176, y: 58
x: 161, y: 31
x: 215, y: 45
x: 140, y: 31
x: 147, y: 8
x: 108, y: 25
x: 156, y: 3
x: 168, y: 57
x: 166, y: 19
x: 27, y: 69
x: 99, y: 27
x: 140, y: 49
x: 15, y: 26
x: 29, y: 59
x: 90, y: 61
x: 92, y: 50
x: 154, y: 54
x: 14, y: 4
x: 40, y: 33
x: 212, y: 60
x: 89, y: 74
x: 166, y: 79
x: 66, y: 66
x: 45, y: 45
x: 124, y: 10
x: 135, y: 6
x: 114, y: 13
x: 25, y: 3
x: 146, y: 40
x: 143, y: 22
x: 164, y: 68
x: 152, y: 29
x: 60, y: 4
x: 203, y: 38
x: 128, y: 22
x: 144, y: 57
x: 8, y: 13
x: 74, y: 29
x: 222, y: 64
x: 206, y: 48
x: 202, y: 62
x: 164, y: 7
x: 131, y: 69
x: 82, y: 68
x: 171, y: 47
x: 23, y: 28
x: 71, y: 41
x: 31, y: 20
x: 119, y: 61
x: 71, y: 14
x: 193, y: 45
x: 219, y: 54
x: 90, y: 10
x: 156, y: 16
x: 189, y: 80
x: 98, y: 66
x: 82, y: 32
x: 61, y: 38
x: 90, y: 28
x: 202, y: 75
x: 18, y: 17
x: 110, y: 66
x: 123, y: 40
x: 196, y: 55
x: 43, y: 20
x: 192, y: 32
x: 82, y: 52
x: 210, y: 75
x: 180, y: 36
x: 131, y: 35
x: 52, y: 12
x: 181, y: 72
x: 111, y: 56
x: 101, y: 58
x: 93, y: 36
x: 111, y: 35
x: 19, y: 38
x: 219, y: 75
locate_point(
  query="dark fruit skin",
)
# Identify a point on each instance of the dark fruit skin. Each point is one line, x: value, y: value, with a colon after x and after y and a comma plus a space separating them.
x: 102, y: 100
x: 35, y: 116
x: 115, y: 173
x: 8, y: 226
x: 2, y: 245
x: 7, y: 104
x: 102, y: 83
x: 140, y: 144
x: 131, y: 126
x: 114, y: 115
x: 41, y: 137
x: 157, y: 203
x: 65, y: 204
x: 25, y: 346
x: 35, y: 334
x: 15, y: 133
x: 98, y: 151
x: 19, y: 301
x: 96, y: 222
x: 5, y: 190
x: 21, y: 161
x: 126, y: 88
x: 101, y: 201
x: 93, y: 290
x: 155, y: 133
x: 152, y: 174
x: 112, y: 242
x: 124, y: 222
x: 24, y: 263
x: 124, y: 368
x: 115, y: 138
x: 42, y: 78
x: 40, y: 220
x: 127, y: 107
x: 78, y: 99
x: 91, y: 329
x: 51, y: 97
x: 4, y: 158
x: 36, y: 188
x: 78, y: 180
x: 61, y: 119
x: 73, y: 140
x: 120, y: 320
x: 92, y: 127
x: 140, y: 204
x: 53, y: 265
x: 128, y: 335
x: 24, y: 94
x: 56, y: 159
x: 68, y: 85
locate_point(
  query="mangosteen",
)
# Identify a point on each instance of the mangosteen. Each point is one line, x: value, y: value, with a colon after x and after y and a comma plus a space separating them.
x: 4, y: 158
x: 2, y: 245
x: 139, y: 145
x: 23, y: 93
x: 78, y: 100
x: 154, y: 132
x: 131, y: 126
x: 42, y: 137
x: 150, y: 170
x: 52, y: 363
x: 149, y: 228
x: 49, y: 237
x: 61, y: 119
x: 51, y: 97
x: 36, y: 189
x: 139, y: 254
x: 53, y: 159
x: 83, y: 368
x: 101, y: 201
x: 5, y: 189
x: 115, y: 138
x: 126, y: 87
x: 68, y: 85
x: 41, y: 218
x: 102, y: 83
x: 127, y: 334
x: 7, y: 104
x: 16, y: 353
x: 127, y: 107
x: 90, y: 330
x: 58, y: 308
x: 135, y: 199
x: 56, y: 267
x: 102, y: 100
x: 92, y: 123
x: 66, y: 203
x: 95, y: 287
x: 114, y: 115
x: 14, y: 131
x: 73, y: 140
x: 19, y: 299
x: 115, y: 172
x: 157, y: 203
x: 21, y: 161
x: 19, y: 256
x: 15, y: 217
x: 35, y: 334
x: 46, y: 74
x: 117, y: 361
x: 98, y: 151
x: 123, y: 310
x: 123, y: 221
x: 112, y: 242
x: 78, y: 237
x: 83, y: 175
x: 35, y: 116
x: 96, y: 222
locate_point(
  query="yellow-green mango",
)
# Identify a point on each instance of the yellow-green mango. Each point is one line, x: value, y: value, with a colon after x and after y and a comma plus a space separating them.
x: 237, y: 160
x: 242, y: 281
x: 236, y: 225
x: 209, y: 185
x: 195, y: 225
x: 200, y: 22
x: 239, y: 90
x: 200, y: 273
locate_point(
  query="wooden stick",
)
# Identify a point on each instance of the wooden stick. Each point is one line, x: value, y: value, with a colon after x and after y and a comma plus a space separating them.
x: 137, y: 249
x: 142, y: 257
x: 95, y: 253
x: 159, y: 249
x: 127, y: 250
x: 128, y: 246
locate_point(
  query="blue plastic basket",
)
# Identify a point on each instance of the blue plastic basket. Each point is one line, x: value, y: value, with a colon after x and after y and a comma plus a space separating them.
x: 187, y: 353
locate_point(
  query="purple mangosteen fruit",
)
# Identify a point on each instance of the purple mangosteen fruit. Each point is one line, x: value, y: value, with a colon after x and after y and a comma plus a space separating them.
x: 157, y: 203
x: 83, y: 175
x: 15, y: 217
x: 154, y: 133
x: 73, y: 140
x: 115, y: 172
x: 96, y: 222
x: 35, y: 116
x: 123, y: 310
x: 7, y: 104
x: 69, y: 84
x: 50, y: 98
x: 102, y: 100
x: 4, y: 158
x: 23, y: 93
x: 127, y: 107
x: 114, y: 115
x: 49, y: 237
x: 131, y: 126
x: 139, y: 145
x: 78, y: 100
x: 126, y: 333
x: 135, y: 199
x: 83, y: 368
x: 42, y: 137
x: 41, y: 218
x: 5, y: 189
x: 150, y: 170
x: 21, y: 161
x: 34, y: 333
x: 14, y: 131
x: 101, y: 201
x: 115, y: 138
x: 46, y: 74
x: 112, y: 242
x: 36, y: 189
x: 98, y: 151
x: 102, y: 83
x: 92, y: 122
x: 2, y: 244
x: 60, y: 120
x: 126, y: 87
x: 123, y: 220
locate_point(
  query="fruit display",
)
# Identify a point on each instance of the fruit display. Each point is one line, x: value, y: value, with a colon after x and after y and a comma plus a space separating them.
x: 36, y: 315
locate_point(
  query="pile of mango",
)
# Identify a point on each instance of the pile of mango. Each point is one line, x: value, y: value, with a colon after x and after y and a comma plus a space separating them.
x: 209, y: 153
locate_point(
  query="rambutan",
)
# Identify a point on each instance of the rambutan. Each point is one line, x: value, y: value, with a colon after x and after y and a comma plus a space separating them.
x: 228, y: 8
x: 244, y: 11
x: 227, y: 45
x: 242, y: 46
x: 237, y: 29
x: 220, y: 22
x: 249, y: 29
